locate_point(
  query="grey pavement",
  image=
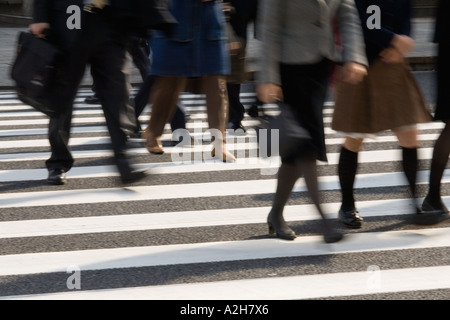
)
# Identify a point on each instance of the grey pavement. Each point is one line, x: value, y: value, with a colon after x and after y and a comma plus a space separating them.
x: 421, y: 58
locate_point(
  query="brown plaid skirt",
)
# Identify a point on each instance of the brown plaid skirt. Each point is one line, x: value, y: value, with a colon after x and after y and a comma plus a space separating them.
x: 388, y: 98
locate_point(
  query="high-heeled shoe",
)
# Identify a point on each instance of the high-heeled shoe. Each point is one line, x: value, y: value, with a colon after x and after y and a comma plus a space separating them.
x: 152, y: 143
x: 280, y: 229
x: 226, y: 155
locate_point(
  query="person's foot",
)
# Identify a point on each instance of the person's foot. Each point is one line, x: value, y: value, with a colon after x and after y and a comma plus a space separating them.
x: 225, y: 155
x: 56, y: 177
x: 350, y: 218
x: 133, y: 176
x: 92, y: 100
x: 277, y: 226
x: 238, y: 128
x: 152, y: 143
x: 434, y: 207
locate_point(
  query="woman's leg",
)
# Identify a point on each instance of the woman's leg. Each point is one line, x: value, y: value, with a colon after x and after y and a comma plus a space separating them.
x: 215, y: 88
x: 441, y: 152
x: 164, y: 96
x: 347, y: 169
x: 288, y: 174
x: 409, y: 143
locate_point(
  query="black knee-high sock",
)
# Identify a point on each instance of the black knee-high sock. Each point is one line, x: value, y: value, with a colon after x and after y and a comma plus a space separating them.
x: 347, y: 168
x: 441, y: 153
x: 410, y: 167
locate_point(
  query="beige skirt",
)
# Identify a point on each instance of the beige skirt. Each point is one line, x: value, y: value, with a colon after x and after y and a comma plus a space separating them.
x: 388, y: 98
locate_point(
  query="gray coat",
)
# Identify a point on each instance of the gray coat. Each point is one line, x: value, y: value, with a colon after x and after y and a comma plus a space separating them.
x: 301, y: 32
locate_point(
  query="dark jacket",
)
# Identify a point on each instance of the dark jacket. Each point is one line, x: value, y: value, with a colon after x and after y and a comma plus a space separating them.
x: 141, y: 15
x: 395, y: 19
x: 133, y: 15
x: 443, y: 23
x: 55, y: 13
x: 245, y: 11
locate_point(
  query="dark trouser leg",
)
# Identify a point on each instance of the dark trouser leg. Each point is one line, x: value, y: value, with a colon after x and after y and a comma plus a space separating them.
x: 111, y: 85
x: 236, y: 109
x: 69, y: 76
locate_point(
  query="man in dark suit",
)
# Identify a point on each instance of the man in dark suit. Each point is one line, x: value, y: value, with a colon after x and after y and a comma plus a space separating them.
x: 101, y: 42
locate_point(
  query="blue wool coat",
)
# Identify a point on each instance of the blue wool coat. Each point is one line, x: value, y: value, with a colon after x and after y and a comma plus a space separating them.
x: 197, y: 46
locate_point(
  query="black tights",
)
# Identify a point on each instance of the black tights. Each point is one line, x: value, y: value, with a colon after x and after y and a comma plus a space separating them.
x: 288, y: 174
x: 438, y: 164
x: 348, y: 166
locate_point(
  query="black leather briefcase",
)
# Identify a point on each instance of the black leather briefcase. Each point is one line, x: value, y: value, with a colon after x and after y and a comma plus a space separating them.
x: 34, y: 71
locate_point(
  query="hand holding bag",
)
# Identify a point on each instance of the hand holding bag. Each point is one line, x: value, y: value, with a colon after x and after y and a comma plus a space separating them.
x: 292, y: 135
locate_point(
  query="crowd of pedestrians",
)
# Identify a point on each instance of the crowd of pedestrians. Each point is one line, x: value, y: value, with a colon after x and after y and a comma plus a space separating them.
x: 200, y: 46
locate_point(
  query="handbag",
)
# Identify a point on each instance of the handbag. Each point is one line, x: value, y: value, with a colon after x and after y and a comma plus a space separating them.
x: 292, y: 136
x: 34, y: 71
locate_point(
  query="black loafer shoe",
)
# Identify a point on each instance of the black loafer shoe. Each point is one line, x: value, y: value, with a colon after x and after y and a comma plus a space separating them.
x: 350, y: 218
x: 57, y: 177
x: 92, y: 100
x: 238, y: 128
x: 133, y: 176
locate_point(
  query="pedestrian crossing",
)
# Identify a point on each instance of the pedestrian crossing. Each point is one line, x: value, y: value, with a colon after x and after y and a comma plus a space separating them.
x: 195, y: 229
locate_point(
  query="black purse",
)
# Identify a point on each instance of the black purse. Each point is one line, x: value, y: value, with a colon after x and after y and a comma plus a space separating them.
x: 34, y: 71
x: 292, y: 136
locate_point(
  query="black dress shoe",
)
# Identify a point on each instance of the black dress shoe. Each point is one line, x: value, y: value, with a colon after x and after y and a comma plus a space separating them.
x: 92, y: 100
x: 127, y: 173
x: 133, y: 176
x: 350, y: 218
x: 57, y: 177
x: 237, y: 127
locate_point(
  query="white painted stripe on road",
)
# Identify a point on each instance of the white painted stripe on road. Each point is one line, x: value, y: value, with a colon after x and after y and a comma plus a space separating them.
x: 168, y: 137
x: 103, y: 259
x: 378, y: 157
x: 194, y: 190
x: 190, y: 219
x: 274, y: 288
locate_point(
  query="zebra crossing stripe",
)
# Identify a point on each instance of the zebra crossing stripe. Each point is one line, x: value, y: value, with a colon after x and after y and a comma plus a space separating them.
x: 189, y: 219
x: 103, y: 259
x: 274, y: 288
x: 192, y: 190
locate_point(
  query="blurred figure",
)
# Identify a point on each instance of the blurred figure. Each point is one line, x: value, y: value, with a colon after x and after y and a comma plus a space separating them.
x: 388, y: 99
x: 433, y: 201
x: 142, y: 98
x: 49, y: 21
x: 239, y: 14
x: 138, y: 52
x: 101, y: 42
x: 196, y: 48
x: 298, y: 46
